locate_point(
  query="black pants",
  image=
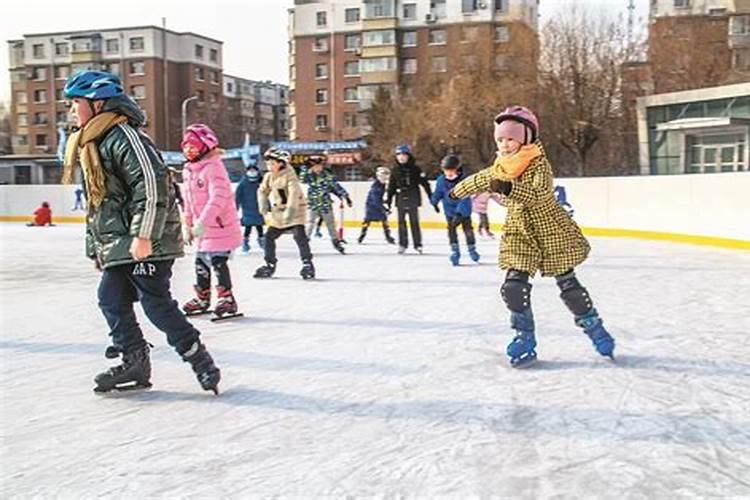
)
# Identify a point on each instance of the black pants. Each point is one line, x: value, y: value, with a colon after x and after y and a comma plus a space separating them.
x: 416, y: 233
x: 300, y: 237
x: 484, y: 223
x: 147, y: 282
x: 366, y: 225
x: 220, y: 267
x: 465, y: 223
x: 258, y: 229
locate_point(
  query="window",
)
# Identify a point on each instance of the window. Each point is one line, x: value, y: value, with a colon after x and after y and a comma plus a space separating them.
x: 741, y: 59
x: 214, y: 76
x: 321, y: 19
x: 351, y: 68
x: 739, y: 25
x: 501, y: 5
x: 468, y: 6
x: 61, y: 117
x: 61, y: 49
x: 501, y: 62
x: 321, y: 96
x: 213, y: 55
x: 22, y: 120
x: 200, y: 74
x: 715, y: 153
x: 136, y: 44
x: 380, y: 37
x: 21, y: 98
x: 378, y: 8
x: 62, y: 72
x: 40, y: 118
x: 410, y: 11
x: 321, y: 44
x: 38, y: 74
x: 439, y: 64
x: 40, y: 96
x: 350, y: 94
x: 137, y: 68
x: 409, y: 39
x: 502, y: 34
x: 350, y: 120
x: 199, y: 51
x: 469, y: 34
x: 59, y: 95
x: 351, y: 15
x: 21, y: 140
x: 409, y: 66
x: 321, y: 121
x: 138, y: 91
x: 352, y: 42
x: 321, y: 71
x: 378, y: 64
x: 112, y: 68
x: 682, y: 4
x: 112, y: 46
x: 38, y: 51
x: 437, y: 37
x: 41, y: 139
x: 437, y: 9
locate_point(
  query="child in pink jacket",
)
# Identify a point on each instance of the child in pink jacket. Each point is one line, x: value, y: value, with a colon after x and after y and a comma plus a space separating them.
x: 210, y: 219
x: 479, y: 204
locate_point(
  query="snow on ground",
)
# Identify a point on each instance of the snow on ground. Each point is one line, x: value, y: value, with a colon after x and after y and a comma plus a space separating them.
x: 385, y: 377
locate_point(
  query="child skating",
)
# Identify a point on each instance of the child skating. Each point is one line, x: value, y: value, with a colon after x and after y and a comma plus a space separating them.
x: 479, y: 203
x: 210, y: 220
x: 133, y: 230
x: 246, y: 199
x: 538, y: 234
x: 375, y: 210
x: 457, y: 212
x: 280, y: 197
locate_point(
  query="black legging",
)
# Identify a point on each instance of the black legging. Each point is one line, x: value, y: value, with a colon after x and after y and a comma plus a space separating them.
x: 300, y: 237
x: 465, y: 223
x: 416, y: 233
x: 220, y: 267
x: 258, y: 229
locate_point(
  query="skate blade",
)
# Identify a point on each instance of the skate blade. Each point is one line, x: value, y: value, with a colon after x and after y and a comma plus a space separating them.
x: 225, y: 317
x: 524, y: 363
x: 137, y: 387
x: 202, y: 313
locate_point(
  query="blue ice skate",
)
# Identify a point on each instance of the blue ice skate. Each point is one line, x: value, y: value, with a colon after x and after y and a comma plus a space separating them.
x: 455, y: 254
x: 522, y: 348
x: 473, y: 253
x: 245, y: 246
x: 593, y: 327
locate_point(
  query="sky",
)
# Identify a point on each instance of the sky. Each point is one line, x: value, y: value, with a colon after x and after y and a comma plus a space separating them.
x: 254, y: 32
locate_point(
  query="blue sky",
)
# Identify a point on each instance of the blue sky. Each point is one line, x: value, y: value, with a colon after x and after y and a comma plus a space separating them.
x: 253, y: 31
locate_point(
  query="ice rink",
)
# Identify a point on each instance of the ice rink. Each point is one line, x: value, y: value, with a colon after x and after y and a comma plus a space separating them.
x: 385, y: 377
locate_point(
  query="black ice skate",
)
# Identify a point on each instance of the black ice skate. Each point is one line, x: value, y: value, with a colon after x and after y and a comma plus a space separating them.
x: 265, y: 271
x: 339, y: 246
x: 203, y: 365
x: 226, y: 306
x: 308, y: 271
x: 132, y: 374
x: 200, y: 304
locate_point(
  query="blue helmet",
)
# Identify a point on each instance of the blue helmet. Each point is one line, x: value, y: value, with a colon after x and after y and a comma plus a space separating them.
x: 403, y: 149
x: 93, y: 85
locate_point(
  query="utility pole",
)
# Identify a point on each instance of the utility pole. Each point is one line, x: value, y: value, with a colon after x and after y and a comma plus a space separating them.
x: 165, y: 81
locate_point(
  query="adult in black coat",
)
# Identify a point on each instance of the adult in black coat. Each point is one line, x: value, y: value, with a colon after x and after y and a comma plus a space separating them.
x: 406, y: 177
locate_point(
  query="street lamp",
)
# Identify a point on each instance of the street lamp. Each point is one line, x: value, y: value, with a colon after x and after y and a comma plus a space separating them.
x: 184, y: 112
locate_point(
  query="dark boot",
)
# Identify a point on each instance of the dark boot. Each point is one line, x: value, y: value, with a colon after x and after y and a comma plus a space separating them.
x: 133, y: 373
x: 203, y: 365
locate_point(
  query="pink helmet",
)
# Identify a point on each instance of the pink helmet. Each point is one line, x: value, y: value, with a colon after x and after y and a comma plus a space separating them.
x: 521, y: 115
x: 206, y: 138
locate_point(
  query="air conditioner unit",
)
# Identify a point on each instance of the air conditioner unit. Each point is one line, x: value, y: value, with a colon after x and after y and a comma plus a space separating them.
x: 358, y: 51
x: 430, y: 18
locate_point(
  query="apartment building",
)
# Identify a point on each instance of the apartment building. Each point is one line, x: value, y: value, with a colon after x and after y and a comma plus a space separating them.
x: 342, y: 52
x: 159, y: 69
x: 258, y: 110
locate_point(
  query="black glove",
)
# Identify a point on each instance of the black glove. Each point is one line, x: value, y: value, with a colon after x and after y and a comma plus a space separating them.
x: 349, y: 202
x: 502, y: 187
x: 437, y: 208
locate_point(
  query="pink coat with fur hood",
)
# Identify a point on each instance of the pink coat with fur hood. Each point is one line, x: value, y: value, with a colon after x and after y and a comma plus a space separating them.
x: 209, y: 199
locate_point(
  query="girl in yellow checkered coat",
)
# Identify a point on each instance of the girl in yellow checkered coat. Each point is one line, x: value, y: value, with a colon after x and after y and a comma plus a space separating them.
x: 538, y: 234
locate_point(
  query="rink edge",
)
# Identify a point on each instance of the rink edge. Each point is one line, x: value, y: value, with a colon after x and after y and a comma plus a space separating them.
x: 589, y: 231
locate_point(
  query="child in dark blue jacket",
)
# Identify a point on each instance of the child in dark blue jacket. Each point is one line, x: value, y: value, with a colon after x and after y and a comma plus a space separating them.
x: 457, y: 212
x: 246, y: 198
x: 375, y: 206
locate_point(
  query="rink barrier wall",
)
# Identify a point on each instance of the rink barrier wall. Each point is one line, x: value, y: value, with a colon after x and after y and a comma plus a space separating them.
x: 705, y: 209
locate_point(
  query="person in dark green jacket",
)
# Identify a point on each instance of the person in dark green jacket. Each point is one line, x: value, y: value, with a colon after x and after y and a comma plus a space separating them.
x: 133, y: 229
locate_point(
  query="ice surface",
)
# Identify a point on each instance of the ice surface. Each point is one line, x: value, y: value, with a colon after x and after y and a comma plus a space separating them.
x: 385, y: 377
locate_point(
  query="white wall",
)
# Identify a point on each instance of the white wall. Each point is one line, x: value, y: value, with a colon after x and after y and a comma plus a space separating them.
x: 711, y: 205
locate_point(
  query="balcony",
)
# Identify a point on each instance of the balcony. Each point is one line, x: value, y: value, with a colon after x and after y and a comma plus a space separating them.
x: 376, y: 77
x: 379, y: 51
